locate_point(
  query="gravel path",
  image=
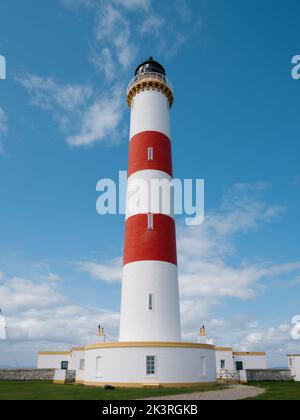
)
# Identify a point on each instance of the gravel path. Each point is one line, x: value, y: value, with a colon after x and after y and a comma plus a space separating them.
x: 236, y: 392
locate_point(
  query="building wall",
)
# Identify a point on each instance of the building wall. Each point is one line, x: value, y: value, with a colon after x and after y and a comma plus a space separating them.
x: 52, y: 360
x: 294, y: 365
x: 251, y: 360
x: 76, y: 356
x: 127, y: 366
x: 227, y: 355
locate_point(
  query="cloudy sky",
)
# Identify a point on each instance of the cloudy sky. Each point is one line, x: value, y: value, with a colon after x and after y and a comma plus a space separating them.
x: 64, y: 125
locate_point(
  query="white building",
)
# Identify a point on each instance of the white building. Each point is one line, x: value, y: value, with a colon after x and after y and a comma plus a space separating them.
x: 294, y: 365
x: 2, y: 327
x: 229, y: 360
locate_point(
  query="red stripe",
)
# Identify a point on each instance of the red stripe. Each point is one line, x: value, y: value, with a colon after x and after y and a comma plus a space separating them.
x: 142, y: 244
x: 138, y: 153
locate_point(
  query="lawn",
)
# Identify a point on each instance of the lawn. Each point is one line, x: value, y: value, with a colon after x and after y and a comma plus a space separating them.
x: 37, y: 390
x: 278, y: 390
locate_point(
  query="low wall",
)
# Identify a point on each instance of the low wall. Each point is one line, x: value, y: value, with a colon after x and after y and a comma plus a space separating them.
x: 269, y: 375
x: 26, y: 374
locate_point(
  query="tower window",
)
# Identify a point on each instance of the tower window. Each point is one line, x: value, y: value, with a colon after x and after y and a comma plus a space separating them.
x: 81, y: 364
x: 223, y: 364
x: 98, y: 367
x: 150, y: 302
x: 150, y: 153
x: 150, y: 221
x: 150, y: 365
x: 202, y: 367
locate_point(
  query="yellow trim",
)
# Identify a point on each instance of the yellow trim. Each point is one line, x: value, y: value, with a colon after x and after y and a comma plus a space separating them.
x: 78, y: 349
x: 54, y: 353
x: 79, y: 382
x: 223, y: 348
x: 148, y: 344
x: 249, y: 353
x: 59, y: 382
x: 147, y: 84
x: 143, y: 385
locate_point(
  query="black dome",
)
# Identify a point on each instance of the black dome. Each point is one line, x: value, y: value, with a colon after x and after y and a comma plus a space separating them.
x: 151, y: 66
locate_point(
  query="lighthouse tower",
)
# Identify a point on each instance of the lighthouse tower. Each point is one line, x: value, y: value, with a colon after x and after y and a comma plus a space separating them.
x: 150, y: 298
x: 150, y: 351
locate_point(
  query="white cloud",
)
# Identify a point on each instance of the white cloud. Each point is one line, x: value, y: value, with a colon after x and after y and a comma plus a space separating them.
x: 113, y: 28
x: 85, y: 116
x: 133, y: 4
x: 207, y: 275
x: 109, y: 272
x: 152, y: 25
x: 51, y: 277
x: 48, y: 94
x: 100, y: 121
x: 40, y: 317
x: 104, y: 63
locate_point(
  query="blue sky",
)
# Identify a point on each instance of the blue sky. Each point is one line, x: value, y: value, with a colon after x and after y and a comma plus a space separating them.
x: 64, y: 125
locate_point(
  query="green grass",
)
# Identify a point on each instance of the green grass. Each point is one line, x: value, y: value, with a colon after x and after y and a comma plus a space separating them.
x: 37, y: 390
x: 278, y: 390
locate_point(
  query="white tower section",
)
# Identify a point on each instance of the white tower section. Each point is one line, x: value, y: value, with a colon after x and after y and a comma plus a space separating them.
x: 150, y: 297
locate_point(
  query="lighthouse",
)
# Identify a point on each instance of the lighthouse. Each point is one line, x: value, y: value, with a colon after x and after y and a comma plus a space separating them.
x: 150, y: 350
x: 150, y: 297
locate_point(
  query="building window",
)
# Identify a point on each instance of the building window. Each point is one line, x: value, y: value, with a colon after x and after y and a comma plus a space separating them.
x: 223, y: 364
x: 202, y: 367
x: 81, y: 364
x: 291, y: 363
x: 64, y: 365
x: 150, y: 222
x: 150, y: 302
x: 150, y: 365
x: 239, y: 366
x: 99, y: 367
x: 150, y: 153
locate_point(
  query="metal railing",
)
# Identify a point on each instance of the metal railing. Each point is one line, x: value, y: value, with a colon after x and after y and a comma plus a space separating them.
x: 157, y: 76
x: 228, y: 375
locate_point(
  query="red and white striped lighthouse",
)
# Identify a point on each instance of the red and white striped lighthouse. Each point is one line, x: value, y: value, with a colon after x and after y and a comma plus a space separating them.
x: 150, y: 297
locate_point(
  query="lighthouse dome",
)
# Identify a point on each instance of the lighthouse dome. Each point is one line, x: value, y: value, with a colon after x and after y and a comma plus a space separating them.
x: 150, y: 66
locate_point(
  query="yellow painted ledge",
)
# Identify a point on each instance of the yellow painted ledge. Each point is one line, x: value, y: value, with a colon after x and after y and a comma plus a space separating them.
x: 250, y: 353
x: 224, y: 349
x: 59, y: 382
x: 54, y: 353
x: 143, y: 385
x: 149, y: 344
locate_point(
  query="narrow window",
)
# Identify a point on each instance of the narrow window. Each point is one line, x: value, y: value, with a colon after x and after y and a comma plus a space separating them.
x: 150, y: 153
x: 150, y: 365
x: 64, y: 365
x: 223, y: 364
x: 202, y: 367
x: 99, y: 367
x: 150, y: 302
x: 81, y: 364
x: 150, y: 221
